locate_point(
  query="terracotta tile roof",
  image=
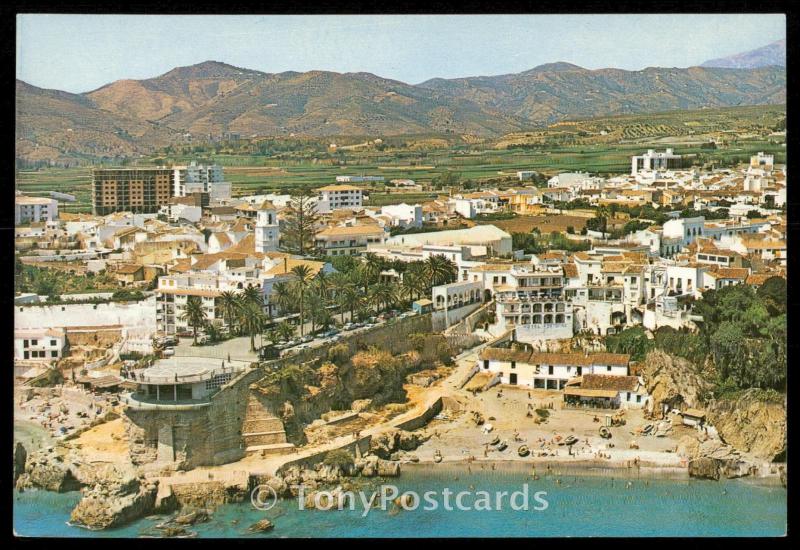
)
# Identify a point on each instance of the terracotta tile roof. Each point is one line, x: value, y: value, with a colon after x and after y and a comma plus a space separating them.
x: 128, y: 269
x: 285, y: 267
x: 730, y: 273
x: 570, y: 270
x: 537, y: 358
x: 608, y: 382
x: 339, y: 231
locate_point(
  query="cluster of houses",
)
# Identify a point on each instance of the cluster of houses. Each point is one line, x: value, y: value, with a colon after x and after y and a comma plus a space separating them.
x: 202, y: 242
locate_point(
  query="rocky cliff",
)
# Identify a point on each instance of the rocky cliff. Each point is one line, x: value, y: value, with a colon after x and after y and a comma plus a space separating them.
x: 753, y: 422
x: 672, y: 382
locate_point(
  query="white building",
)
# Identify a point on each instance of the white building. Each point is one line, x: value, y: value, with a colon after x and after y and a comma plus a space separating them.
x: 43, y: 345
x: 403, y: 215
x: 201, y: 178
x: 655, y: 161
x: 34, y: 209
x: 531, y: 301
x: 267, y: 229
x: 356, y: 179
x: 333, y: 197
x: 497, y: 241
x: 549, y: 371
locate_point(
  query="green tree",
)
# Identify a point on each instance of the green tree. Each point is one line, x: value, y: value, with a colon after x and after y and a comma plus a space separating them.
x: 632, y: 341
x: 229, y: 306
x: 252, y: 320
x: 300, y: 221
x: 194, y: 314
x: 303, y: 279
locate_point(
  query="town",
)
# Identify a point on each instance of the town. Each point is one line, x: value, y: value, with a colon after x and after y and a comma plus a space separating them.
x: 184, y: 329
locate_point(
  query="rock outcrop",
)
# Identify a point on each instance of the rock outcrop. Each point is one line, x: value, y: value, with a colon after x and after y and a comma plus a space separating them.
x: 20, y: 457
x: 672, y: 381
x: 52, y: 469
x: 261, y: 526
x: 704, y: 468
x: 751, y: 423
x: 389, y: 443
x: 117, y: 500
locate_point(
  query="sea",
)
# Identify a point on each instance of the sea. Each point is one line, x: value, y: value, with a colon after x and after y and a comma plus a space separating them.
x: 559, y: 504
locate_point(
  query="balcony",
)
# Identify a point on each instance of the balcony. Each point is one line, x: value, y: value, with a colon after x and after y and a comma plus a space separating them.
x: 141, y: 402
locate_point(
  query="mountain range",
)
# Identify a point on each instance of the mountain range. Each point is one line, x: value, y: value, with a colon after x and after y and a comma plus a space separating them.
x: 771, y: 54
x: 129, y: 117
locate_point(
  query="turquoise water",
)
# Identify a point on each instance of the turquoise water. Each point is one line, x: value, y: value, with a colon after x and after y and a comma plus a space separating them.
x: 578, y: 506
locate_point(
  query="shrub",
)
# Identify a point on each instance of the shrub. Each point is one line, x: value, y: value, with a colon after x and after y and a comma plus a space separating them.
x: 338, y: 457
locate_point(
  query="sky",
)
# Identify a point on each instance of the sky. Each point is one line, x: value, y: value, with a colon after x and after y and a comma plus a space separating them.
x: 79, y: 53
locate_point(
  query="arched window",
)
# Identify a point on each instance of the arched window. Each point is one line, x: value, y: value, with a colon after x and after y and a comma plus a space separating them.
x: 537, y: 319
x: 559, y: 318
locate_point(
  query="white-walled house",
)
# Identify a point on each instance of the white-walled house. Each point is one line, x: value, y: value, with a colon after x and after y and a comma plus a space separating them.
x: 41, y: 345
x: 549, y: 371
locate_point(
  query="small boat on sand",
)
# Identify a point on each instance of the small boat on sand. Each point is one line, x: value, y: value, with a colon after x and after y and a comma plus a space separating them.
x: 605, y: 433
x: 523, y: 451
x: 503, y: 446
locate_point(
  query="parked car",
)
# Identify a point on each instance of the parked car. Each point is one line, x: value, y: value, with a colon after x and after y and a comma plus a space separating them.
x: 307, y: 338
x: 168, y: 352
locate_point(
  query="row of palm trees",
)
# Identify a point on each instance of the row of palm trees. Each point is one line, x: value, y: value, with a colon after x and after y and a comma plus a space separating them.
x: 356, y: 289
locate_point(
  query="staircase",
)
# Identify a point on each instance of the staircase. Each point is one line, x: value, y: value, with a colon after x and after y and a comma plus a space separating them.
x: 262, y: 431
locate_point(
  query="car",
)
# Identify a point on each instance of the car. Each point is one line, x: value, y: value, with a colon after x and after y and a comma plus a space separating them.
x: 307, y: 338
x: 185, y: 334
x: 348, y: 326
x: 168, y: 352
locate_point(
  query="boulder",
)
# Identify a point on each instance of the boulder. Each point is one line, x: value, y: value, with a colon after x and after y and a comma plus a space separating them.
x: 262, y: 526
x: 165, y: 502
x: 113, y: 502
x: 20, y: 457
x: 388, y: 468
x: 192, y: 517
x: 704, y: 468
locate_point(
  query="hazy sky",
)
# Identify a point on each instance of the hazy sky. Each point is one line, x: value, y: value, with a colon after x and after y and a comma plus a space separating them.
x: 79, y: 53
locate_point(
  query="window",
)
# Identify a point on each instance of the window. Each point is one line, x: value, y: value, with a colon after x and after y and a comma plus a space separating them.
x: 608, y: 368
x: 54, y: 353
x: 53, y: 343
x: 485, y: 363
x: 34, y: 342
x: 27, y: 355
x: 513, y: 364
x: 638, y: 398
x: 25, y: 343
x: 550, y: 369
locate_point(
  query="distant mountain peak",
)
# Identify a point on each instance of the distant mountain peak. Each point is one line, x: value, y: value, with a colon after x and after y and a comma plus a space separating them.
x: 557, y: 67
x: 208, y: 69
x: 769, y: 55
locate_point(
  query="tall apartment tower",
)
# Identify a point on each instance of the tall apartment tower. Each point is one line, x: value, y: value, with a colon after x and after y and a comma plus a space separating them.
x: 267, y: 230
x: 139, y: 190
x: 201, y: 178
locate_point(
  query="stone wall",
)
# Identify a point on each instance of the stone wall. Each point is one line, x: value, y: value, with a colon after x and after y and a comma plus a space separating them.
x: 213, y: 434
x: 196, y: 437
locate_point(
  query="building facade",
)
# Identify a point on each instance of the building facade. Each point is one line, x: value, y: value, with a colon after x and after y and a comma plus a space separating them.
x: 34, y: 209
x: 140, y: 190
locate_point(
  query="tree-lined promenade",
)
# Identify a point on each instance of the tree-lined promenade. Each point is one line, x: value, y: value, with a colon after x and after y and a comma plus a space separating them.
x: 355, y: 287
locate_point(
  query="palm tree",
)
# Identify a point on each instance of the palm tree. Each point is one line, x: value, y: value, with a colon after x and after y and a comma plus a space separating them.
x: 229, y: 304
x: 348, y: 298
x: 440, y: 270
x: 252, y: 321
x: 322, y: 282
x: 284, y: 331
x: 252, y: 295
x: 382, y: 294
x: 303, y: 274
x: 314, y: 304
x: 194, y: 314
x: 372, y: 267
x: 284, y: 296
